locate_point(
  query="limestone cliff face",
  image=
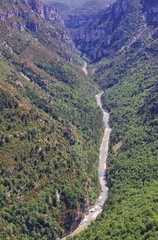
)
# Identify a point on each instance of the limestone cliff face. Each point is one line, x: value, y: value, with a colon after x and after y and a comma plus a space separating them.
x: 151, y: 8
x: 43, y: 22
x: 103, y: 35
x: 112, y: 28
x: 27, y: 14
x: 74, y: 21
x: 46, y: 12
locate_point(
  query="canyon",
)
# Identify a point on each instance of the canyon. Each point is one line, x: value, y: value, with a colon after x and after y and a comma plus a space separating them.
x: 52, y: 129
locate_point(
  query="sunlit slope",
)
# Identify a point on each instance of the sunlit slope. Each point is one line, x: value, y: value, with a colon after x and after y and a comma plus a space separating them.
x: 129, y: 78
x: 50, y: 127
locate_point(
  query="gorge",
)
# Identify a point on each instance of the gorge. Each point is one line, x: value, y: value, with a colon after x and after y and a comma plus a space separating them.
x: 96, y: 209
x: 51, y: 127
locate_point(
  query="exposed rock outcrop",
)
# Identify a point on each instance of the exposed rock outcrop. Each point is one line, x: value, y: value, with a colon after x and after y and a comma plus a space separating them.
x: 47, y: 13
x: 75, y: 21
x: 151, y: 7
x: 25, y: 15
x: 104, y: 34
x: 107, y: 31
x: 39, y: 20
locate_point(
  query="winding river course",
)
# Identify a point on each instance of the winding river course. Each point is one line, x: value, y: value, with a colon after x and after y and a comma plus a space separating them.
x: 95, y: 210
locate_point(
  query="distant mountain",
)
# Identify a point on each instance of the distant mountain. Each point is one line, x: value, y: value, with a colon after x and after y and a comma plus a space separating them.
x: 50, y: 125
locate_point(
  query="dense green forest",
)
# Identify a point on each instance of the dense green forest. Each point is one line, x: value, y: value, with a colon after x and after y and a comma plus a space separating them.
x: 50, y: 129
x: 131, y: 210
x: 129, y: 78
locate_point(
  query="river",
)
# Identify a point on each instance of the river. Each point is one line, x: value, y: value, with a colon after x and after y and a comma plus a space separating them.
x: 96, y: 209
x: 85, y: 68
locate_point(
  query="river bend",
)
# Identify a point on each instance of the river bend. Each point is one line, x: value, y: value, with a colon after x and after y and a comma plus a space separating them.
x: 96, y: 209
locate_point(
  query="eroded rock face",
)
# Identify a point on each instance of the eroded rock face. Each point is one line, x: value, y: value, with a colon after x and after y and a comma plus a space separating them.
x: 37, y: 19
x: 151, y: 7
x: 47, y: 13
x: 102, y: 36
x: 75, y: 21
x: 112, y: 28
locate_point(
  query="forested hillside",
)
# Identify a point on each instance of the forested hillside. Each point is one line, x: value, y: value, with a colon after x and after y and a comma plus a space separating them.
x: 129, y: 78
x: 50, y: 126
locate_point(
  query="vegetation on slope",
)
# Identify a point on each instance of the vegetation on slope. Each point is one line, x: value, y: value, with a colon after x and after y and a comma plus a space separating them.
x: 50, y: 132
x: 130, y: 82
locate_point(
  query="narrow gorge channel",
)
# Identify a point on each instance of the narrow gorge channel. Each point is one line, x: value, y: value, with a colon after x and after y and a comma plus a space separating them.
x: 96, y: 209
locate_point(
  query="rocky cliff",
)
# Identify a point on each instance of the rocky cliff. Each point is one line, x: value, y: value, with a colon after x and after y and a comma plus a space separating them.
x: 74, y: 21
x: 113, y: 28
x: 46, y: 12
x: 78, y: 14
x: 31, y: 15
x: 151, y: 8
x: 44, y: 22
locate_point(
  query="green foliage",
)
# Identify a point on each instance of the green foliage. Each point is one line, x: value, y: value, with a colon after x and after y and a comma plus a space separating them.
x: 47, y: 139
x: 130, y: 82
x: 50, y: 133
